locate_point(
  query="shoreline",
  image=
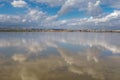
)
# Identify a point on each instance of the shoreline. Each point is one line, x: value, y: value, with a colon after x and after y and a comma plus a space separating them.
x: 57, y: 30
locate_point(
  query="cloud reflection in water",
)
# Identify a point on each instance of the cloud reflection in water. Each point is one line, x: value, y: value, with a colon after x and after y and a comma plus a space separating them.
x: 82, y: 55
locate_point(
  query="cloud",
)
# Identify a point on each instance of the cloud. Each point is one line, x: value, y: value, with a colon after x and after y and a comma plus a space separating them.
x: 109, y: 22
x: 111, y: 3
x: 116, y: 5
x: 19, y: 3
x: 66, y: 6
x: 79, y: 3
x: 51, y: 3
x: 94, y: 9
x: 33, y: 17
x: 39, y: 19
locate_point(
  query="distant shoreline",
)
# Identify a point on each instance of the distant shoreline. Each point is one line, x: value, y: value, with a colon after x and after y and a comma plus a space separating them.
x: 57, y: 30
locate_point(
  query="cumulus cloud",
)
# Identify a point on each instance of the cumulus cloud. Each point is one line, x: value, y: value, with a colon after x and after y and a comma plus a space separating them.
x: 19, y: 3
x: 116, y: 5
x: 51, y: 18
x: 110, y: 21
x: 112, y: 3
x: 79, y: 3
x: 94, y: 9
x: 66, y: 6
x: 33, y: 17
x: 91, y: 6
x: 51, y: 3
x: 39, y: 19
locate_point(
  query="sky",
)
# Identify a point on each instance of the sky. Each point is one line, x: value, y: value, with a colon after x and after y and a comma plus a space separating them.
x: 60, y: 14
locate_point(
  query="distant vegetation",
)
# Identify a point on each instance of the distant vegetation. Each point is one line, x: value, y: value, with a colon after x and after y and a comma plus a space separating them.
x: 54, y: 30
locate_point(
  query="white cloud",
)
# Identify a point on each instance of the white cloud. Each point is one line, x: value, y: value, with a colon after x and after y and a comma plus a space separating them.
x: 110, y: 21
x: 66, y: 6
x: 35, y: 15
x: 79, y: 3
x: 32, y: 18
x: 38, y: 19
x: 51, y: 3
x: 112, y: 3
x: 94, y: 9
x: 19, y: 3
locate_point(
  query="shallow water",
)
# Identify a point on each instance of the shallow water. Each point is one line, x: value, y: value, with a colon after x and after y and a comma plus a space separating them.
x: 59, y: 56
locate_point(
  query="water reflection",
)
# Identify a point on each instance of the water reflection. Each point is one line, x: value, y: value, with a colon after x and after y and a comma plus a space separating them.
x: 59, y: 56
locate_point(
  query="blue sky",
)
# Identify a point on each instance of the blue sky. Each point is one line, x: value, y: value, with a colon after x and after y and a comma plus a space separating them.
x: 70, y: 14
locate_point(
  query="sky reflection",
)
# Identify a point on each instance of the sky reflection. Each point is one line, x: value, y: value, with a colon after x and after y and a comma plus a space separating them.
x: 56, y: 56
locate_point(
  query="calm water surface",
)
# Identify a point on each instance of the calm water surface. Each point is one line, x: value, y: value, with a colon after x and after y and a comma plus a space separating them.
x: 59, y: 56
